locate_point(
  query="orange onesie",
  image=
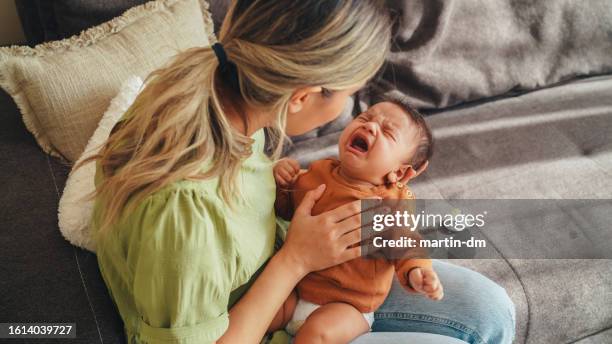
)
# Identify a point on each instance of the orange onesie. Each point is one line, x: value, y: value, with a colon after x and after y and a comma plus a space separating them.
x: 363, y: 283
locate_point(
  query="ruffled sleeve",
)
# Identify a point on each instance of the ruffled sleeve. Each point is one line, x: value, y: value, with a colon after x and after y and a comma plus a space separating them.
x: 182, y: 268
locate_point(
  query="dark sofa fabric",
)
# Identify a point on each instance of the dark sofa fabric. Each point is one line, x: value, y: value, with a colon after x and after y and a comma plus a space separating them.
x: 45, y: 20
x: 44, y: 278
x: 448, y: 52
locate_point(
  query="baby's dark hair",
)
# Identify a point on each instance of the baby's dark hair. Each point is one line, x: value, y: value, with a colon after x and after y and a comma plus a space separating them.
x: 424, y: 150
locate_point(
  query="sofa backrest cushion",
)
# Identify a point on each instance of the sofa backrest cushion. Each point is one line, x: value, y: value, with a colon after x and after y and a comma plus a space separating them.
x: 449, y: 52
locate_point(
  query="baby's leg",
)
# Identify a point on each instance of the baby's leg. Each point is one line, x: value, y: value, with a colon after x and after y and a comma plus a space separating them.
x: 284, y: 314
x: 332, y: 323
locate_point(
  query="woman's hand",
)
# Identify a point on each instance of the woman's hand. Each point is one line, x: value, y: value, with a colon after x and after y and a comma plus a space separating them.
x: 317, y: 242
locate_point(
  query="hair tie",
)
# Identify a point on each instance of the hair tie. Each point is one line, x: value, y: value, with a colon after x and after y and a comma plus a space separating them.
x: 227, y: 68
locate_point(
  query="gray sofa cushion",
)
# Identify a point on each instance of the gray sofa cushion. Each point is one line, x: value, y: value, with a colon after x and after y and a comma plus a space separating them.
x: 554, y: 143
x: 44, y: 20
x: 44, y: 278
x: 73, y: 16
x: 447, y: 52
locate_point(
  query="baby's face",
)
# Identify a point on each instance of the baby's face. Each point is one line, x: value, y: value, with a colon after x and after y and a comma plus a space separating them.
x: 378, y: 142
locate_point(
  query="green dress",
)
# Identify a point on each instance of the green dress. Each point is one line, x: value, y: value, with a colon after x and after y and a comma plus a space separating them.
x: 176, y: 264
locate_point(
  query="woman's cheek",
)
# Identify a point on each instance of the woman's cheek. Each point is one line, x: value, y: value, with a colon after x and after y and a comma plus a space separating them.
x: 330, y: 115
x: 297, y: 125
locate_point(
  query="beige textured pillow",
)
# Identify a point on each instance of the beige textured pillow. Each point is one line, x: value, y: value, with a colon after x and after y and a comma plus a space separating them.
x: 62, y: 88
x: 74, y: 212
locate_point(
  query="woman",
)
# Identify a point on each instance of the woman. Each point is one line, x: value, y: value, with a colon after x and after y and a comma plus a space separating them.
x: 184, y: 218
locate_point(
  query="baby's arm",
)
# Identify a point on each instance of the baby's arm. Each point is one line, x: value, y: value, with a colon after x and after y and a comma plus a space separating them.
x: 417, y: 275
x: 335, y: 322
x: 285, y: 172
x: 284, y: 175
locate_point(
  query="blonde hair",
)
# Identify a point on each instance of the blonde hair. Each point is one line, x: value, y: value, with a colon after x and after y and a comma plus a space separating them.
x: 177, y: 122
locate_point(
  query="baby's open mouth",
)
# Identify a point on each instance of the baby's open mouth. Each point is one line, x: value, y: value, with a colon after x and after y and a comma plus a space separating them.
x: 360, y: 143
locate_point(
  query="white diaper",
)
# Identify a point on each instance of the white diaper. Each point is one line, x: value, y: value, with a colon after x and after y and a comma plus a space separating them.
x: 304, y: 308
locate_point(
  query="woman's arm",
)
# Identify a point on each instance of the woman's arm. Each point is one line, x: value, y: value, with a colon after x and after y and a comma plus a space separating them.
x: 250, y: 317
x: 313, y: 243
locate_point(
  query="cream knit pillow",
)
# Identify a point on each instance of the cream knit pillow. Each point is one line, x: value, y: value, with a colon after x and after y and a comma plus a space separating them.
x: 63, y: 87
x: 74, y: 213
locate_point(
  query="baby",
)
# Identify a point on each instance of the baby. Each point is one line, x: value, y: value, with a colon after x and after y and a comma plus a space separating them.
x: 379, y: 152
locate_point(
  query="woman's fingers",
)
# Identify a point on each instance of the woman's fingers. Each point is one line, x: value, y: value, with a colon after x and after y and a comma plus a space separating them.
x: 309, y: 200
x: 345, y: 211
x: 331, y: 238
x: 313, y: 242
x: 349, y: 224
x: 351, y: 238
x: 350, y: 253
x: 352, y: 208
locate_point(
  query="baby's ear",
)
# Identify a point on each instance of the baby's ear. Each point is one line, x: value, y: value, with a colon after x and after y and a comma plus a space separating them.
x: 411, y: 173
x: 403, y: 174
x: 422, y: 168
x: 407, y: 172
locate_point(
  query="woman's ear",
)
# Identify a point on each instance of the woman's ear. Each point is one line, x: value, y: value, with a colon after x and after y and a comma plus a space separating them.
x: 301, y: 96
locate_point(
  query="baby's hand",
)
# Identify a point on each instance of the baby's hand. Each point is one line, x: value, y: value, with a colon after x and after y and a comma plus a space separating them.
x: 285, y: 171
x: 425, y: 281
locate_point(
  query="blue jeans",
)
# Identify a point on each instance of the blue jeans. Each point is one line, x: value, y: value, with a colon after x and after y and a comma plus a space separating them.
x: 474, y: 309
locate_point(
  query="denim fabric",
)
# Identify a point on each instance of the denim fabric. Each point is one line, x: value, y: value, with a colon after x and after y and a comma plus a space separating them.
x: 398, y: 337
x: 474, y: 309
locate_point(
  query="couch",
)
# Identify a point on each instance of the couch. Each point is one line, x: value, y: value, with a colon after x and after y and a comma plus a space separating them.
x: 531, y: 140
